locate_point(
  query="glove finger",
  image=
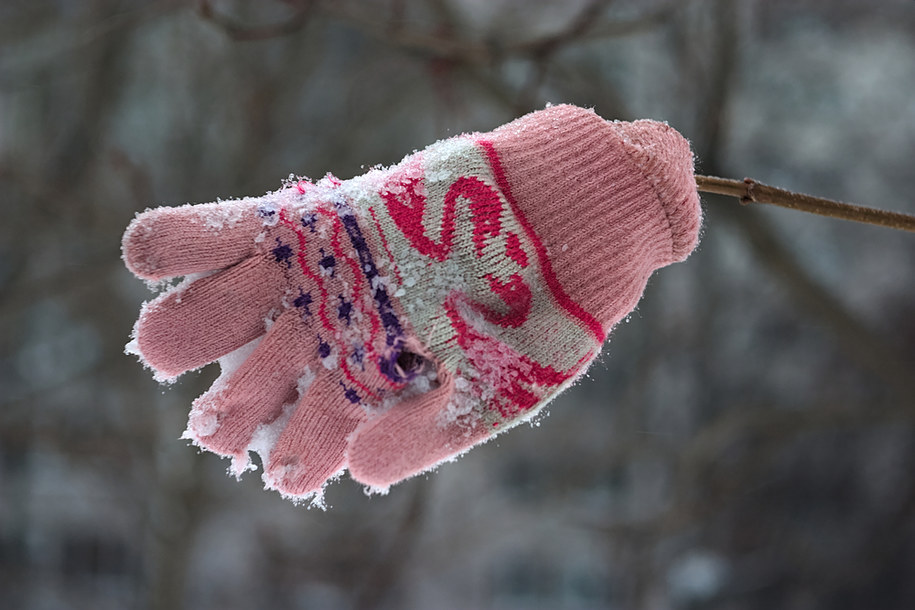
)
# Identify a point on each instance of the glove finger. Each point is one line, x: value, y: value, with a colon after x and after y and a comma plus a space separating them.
x: 411, y: 437
x: 312, y: 446
x: 215, y: 315
x: 168, y: 242
x: 244, y: 413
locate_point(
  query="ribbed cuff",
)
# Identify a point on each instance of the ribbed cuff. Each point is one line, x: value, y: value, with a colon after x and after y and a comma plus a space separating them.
x: 611, y: 202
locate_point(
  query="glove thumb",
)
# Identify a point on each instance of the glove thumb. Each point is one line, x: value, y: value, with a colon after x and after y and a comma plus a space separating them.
x: 411, y: 437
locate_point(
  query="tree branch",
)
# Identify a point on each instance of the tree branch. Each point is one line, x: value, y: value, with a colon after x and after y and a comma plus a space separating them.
x: 240, y: 32
x: 751, y: 191
x: 585, y: 26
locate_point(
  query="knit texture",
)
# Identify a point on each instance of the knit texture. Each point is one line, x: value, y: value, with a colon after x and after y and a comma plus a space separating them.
x: 391, y: 321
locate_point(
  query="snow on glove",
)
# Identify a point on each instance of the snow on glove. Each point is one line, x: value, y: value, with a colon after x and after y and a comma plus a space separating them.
x: 389, y: 322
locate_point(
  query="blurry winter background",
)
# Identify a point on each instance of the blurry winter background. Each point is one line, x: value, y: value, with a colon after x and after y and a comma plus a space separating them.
x: 747, y: 441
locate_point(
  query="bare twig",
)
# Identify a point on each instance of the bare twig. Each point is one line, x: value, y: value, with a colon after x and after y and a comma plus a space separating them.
x: 584, y: 27
x: 580, y: 25
x: 16, y: 66
x: 237, y: 31
x: 751, y: 191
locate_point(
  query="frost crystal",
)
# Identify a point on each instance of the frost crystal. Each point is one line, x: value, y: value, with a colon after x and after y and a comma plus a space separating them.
x: 305, y: 381
x: 225, y: 214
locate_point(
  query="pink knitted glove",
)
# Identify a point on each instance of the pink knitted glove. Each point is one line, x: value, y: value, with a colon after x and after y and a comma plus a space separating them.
x: 389, y: 322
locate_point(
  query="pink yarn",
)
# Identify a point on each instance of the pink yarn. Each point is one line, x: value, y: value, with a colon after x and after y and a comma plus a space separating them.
x: 389, y: 322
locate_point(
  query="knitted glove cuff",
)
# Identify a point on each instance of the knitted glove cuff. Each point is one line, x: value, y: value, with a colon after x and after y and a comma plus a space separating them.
x: 598, y: 191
